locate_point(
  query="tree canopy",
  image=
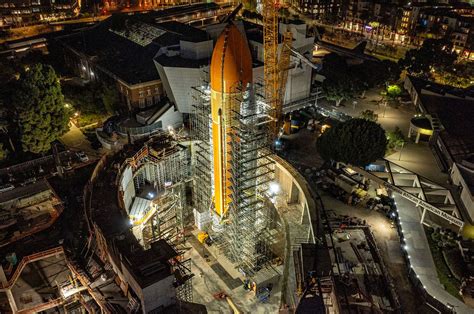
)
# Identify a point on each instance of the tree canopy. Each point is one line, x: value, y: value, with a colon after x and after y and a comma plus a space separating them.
x: 96, y: 99
x: 357, y: 142
x: 39, y: 102
x: 434, y: 53
x: 375, y: 73
x: 250, y: 5
x: 393, y: 91
x: 344, y: 82
x: 369, y: 115
x: 340, y: 83
x: 395, y: 138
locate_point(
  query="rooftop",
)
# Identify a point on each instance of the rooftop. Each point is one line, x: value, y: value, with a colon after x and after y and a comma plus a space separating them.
x: 128, y: 60
x: 421, y: 84
x: 467, y: 175
x: 125, y: 45
x: 455, y: 115
x: 25, y: 191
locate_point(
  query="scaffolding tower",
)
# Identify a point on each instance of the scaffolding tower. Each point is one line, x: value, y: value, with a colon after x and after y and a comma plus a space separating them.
x: 242, y: 234
x: 164, y: 164
x: 202, y: 153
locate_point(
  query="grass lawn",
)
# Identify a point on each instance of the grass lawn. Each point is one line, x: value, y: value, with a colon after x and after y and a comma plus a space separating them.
x: 450, y: 283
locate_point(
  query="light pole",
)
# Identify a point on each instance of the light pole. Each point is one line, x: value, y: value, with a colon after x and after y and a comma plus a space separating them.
x: 401, y: 149
x: 384, y: 108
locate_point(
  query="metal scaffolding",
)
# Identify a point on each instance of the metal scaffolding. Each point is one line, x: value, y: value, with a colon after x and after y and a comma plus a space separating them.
x: 202, y: 153
x: 242, y: 234
x: 162, y: 166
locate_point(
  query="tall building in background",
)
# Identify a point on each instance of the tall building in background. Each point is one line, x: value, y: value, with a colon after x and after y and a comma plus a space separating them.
x: 25, y: 12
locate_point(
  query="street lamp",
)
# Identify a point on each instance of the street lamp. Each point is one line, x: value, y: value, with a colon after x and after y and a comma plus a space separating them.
x: 400, y: 155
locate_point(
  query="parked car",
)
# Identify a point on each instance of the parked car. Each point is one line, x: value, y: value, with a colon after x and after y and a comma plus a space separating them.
x: 82, y: 156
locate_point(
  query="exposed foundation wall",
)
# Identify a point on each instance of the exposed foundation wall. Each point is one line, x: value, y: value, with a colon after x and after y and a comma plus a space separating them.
x: 294, y: 186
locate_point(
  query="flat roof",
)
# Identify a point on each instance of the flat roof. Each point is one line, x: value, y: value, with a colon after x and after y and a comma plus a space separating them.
x: 125, y: 45
x: 419, y: 84
x: 456, y: 116
x: 124, y: 58
x: 25, y: 191
x: 468, y: 176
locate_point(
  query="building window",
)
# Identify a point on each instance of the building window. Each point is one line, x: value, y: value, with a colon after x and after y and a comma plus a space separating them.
x: 141, y: 94
x: 141, y: 103
x: 157, y: 90
x: 148, y: 92
x: 149, y: 101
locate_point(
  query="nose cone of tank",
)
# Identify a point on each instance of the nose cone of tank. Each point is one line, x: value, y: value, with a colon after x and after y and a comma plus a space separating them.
x: 231, y: 62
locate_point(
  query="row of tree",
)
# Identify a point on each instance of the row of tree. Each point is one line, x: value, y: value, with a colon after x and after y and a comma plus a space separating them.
x: 344, y: 82
x: 434, y: 59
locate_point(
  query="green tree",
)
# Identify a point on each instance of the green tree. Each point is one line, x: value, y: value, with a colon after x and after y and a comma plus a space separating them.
x: 369, y: 115
x: 375, y: 73
x: 39, y: 102
x: 434, y: 54
x: 395, y: 138
x: 357, y: 142
x: 393, y: 91
x: 3, y: 152
x: 341, y: 82
x: 341, y: 88
x: 110, y: 98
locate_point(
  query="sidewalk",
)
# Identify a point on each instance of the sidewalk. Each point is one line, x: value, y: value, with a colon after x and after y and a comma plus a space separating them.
x: 419, y: 159
x: 419, y: 254
x: 388, y: 117
x: 76, y: 140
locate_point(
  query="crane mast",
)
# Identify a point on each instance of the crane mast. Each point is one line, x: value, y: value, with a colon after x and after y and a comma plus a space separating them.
x: 275, y: 69
x: 270, y: 59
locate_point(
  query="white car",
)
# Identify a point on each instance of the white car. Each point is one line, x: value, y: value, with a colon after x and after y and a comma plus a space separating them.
x: 82, y: 156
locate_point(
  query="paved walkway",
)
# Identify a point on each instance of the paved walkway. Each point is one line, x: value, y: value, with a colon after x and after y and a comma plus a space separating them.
x: 74, y: 138
x: 208, y: 282
x: 421, y: 260
x: 230, y: 282
x: 419, y: 158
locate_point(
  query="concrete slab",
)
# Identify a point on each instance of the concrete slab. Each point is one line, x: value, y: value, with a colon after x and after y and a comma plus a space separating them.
x: 207, y: 282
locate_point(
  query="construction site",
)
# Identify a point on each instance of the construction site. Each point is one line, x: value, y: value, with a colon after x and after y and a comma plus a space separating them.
x: 196, y: 220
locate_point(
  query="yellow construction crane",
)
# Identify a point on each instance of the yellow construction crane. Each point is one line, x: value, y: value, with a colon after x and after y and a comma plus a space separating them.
x: 275, y: 72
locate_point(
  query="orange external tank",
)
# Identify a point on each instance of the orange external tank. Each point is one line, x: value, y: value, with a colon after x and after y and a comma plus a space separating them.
x: 230, y: 74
